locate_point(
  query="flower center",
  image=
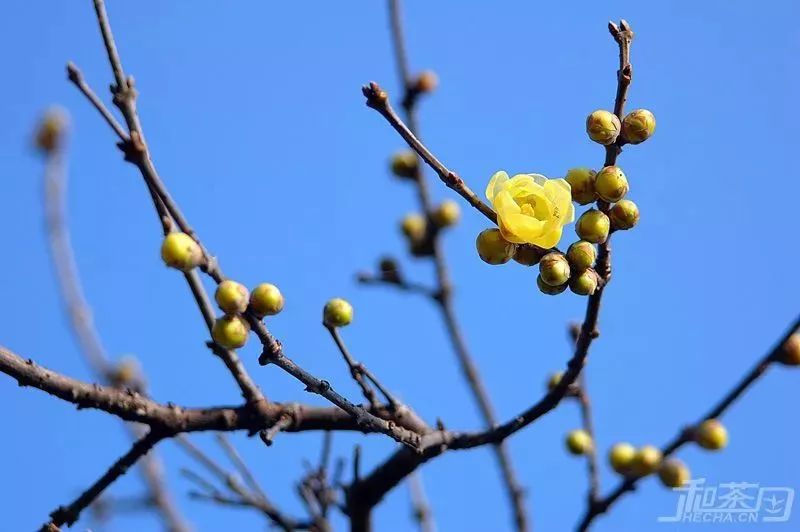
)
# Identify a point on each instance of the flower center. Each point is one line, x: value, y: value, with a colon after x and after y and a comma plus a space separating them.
x: 528, y: 209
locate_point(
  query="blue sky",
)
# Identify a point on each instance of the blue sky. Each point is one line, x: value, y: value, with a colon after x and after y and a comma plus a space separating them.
x: 256, y: 122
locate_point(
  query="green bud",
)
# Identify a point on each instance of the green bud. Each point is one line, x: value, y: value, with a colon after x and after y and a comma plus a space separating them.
x: 621, y: 457
x: 230, y: 331
x: 611, y: 183
x: 266, y: 300
x: 581, y: 182
x: 554, y: 269
x: 585, y: 283
x: 603, y: 127
x: 446, y: 214
x: 593, y: 226
x: 493, y: 248
x: 181, y: 252
x: 528, y: 255
x: 638, y: 126
x: 711, y: 435
x: 231, y: 297
x: 581, y: 255
x: 624, y: 214
x: 579, y: 442
x: 553, y: 380
x: 405, y: 164
x: 337, y: 313
x: 547, y: 289
x: 673, y: 473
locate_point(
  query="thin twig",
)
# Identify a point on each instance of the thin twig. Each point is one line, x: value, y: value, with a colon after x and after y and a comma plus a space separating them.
x: 67, y: 515
x: 419, y: 504
x: 78, y: 309
x: 588, y: 425
x: 685, y: 435
x: 378, y: 100
x: 240, y: 465
x: 361, y: 374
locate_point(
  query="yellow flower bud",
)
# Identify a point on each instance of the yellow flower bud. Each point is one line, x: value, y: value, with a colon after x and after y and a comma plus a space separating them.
x: 621, y: 456
x: 581, y: 255
x: 624, y: 214
x: 579, y: 442
x: 603, y: 127
x: 638, y: 126
x: 554, y: 379
x: 790, y: 351
x: 611, y: 183
x: 126, y: 371
x: 674, y: 473
x: 585, y: 283
x: 554, y: 269
x: 427, y: 81
x: 266, y: 300
x: 230, y: 331
x: 593, y: 226
x: 413, y: 226
x: 646, y: 460
x: 181, y: 252
x: 405, y: 164
x: 232, y: 297
x: 528, y: 255
x: 711, y: 435
x: 547, y: 289
x: 493, y: 248
x: 52, y: 127
x: 581, y: 181
x: 337, y: 313
x: 446, y: 214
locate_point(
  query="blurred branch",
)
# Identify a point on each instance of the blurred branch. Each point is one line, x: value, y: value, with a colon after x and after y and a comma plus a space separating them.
x: 80, y: 316
x: 419, y: 503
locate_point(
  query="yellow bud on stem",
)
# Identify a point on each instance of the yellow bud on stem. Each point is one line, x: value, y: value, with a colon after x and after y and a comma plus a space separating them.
x: 231, y: 297
x: 638, y: 126
x: 624, y: 214
x: 230, y: 331
x: 579, y: 442
x: 603, y: 127
x: 554, y: 269
x: 337, y: 313
x: 711, y: 435
x: 581, y: 182
x: 266, y: 300
x: 621, y: 456
x: 611, y: 183
x: 493, y: 248
x: 673, y: 473
x: 181, y: 252
x: 446, y: 214
x: 593, y: 226
x: 646, y: 460
x: 581, y: 255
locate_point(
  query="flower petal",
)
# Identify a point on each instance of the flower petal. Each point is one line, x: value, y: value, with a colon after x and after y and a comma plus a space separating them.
x: 495, y: 183
x: 520, y: 229
x: 549, y: 239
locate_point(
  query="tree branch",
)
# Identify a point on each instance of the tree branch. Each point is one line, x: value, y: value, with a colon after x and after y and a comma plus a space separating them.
x: 685, y: 435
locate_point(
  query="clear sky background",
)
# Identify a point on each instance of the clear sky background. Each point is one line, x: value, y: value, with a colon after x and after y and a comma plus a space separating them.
x: 255, y: 118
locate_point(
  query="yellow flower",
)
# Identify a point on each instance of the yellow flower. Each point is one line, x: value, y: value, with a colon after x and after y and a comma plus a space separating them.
x: 531, y: 209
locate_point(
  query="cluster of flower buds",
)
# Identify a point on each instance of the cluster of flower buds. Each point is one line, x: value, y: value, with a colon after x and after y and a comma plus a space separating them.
x: 419, y: 230
x: 231, y: 330
x: 631, y: 462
